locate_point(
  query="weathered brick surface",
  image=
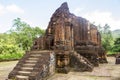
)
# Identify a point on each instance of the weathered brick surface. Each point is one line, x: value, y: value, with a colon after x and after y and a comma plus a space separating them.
x: 80, y: 63
x: 74, y: 40
x: 43, y: 67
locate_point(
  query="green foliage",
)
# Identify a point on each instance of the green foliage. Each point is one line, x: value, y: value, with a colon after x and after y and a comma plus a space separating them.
x: 107, y: 39
x: 110, y: 39
x: 17, y: 40
x: 116, y: 47
x: 13, y: 56
x: 9, y: 50
x: 24, y: 33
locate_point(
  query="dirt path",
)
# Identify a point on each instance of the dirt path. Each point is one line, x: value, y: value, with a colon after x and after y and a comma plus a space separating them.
x: 5, y: 68
x: 108, y: 71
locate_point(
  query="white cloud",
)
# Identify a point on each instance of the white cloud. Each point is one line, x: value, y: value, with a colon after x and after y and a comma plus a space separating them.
x: 10, y: 9
x: 5, y: 28
x: 103, y: 18
x: 100, y: 17
x: 2, y: 11
x: 14, y: 8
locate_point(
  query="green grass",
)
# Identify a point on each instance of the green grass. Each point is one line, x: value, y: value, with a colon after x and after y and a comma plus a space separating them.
x: 110, y: 52
x: 14, y: 56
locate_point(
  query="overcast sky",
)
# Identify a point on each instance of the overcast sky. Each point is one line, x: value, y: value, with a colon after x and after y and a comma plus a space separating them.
x: 38, y: 12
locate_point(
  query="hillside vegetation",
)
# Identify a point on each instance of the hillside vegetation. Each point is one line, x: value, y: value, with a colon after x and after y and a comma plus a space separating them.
x: 116, y: 33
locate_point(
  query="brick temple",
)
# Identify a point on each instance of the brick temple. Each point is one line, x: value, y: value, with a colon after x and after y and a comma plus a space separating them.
x: 70, y: 42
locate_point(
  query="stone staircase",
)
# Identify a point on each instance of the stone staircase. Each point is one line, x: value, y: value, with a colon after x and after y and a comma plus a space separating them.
x: 33, y: 66
x: 80, y: 63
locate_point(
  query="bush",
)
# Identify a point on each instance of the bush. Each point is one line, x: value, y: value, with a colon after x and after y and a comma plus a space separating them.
x: 9, y: 51
x: 116, y: 47
x: 14, y: 56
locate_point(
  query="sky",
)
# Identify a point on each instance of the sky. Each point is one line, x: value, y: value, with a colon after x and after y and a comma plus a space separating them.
x: 38, y: 12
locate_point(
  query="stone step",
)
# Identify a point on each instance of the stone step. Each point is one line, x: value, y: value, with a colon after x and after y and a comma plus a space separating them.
x: 20, y: 77
x: 28, y: 65
x: 25, y: 73
x: 27, y: 68
x: 39, y: 52
x: 31, y: 61
x: 33, y: 58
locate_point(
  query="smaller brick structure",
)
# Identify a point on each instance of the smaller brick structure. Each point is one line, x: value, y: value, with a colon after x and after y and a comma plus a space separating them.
x: 117, y: 59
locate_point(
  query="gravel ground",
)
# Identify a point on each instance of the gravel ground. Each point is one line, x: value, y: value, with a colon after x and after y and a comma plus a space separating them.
x: 108, y: 71
x: 5, y: 68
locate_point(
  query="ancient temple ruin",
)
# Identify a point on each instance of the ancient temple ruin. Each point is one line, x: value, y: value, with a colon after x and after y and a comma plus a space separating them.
x: 70, y: 42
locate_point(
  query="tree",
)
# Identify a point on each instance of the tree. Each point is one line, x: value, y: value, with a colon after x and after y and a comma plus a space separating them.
x: 17, y: 40
x: 107, y: 40
x: 116, y: 47
x: 24, y: 33
x: 8, y: 45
